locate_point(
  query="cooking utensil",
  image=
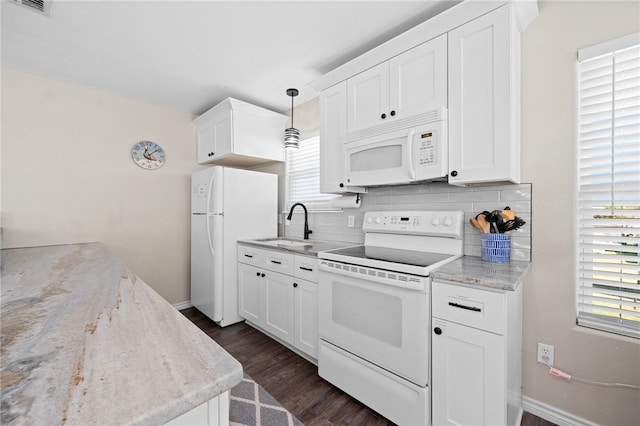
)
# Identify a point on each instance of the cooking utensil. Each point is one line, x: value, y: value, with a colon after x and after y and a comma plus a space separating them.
x: 495, y: 220
x: 511, y: 225
x: 474, y: 222
x: 508, y: 214
x: 484, y: 225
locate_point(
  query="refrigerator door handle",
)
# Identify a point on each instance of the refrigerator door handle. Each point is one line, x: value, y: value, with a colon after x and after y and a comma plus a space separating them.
x: 209, y: 237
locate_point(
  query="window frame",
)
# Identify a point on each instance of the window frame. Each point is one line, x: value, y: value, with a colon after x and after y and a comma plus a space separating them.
x: 608, y: 190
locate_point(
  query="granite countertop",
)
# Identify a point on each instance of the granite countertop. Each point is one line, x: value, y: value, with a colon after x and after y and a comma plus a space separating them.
x: 475, y: 271
x: 85, y: 341
x: 311, y: 247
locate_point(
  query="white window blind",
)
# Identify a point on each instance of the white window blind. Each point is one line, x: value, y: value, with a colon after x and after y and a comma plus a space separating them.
x: 608, y: 296
x: 303, y: 177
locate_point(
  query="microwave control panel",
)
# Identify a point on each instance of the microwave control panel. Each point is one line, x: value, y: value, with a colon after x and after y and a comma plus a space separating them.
x: 427, y: 149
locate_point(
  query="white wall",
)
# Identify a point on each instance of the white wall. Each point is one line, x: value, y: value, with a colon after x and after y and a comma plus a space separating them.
x: 68, y: 176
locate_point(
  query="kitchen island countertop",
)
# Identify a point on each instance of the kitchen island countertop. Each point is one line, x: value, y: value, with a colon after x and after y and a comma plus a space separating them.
x: 85, y: 341
x: 475, y: 271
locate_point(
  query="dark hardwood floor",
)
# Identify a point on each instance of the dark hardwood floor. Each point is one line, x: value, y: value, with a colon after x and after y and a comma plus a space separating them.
x: 294, y: 381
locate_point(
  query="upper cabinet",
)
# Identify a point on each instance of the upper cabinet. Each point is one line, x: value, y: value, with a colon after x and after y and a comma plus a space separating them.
x: 466, y: 59
x: 235, y: 133
x: 333, y: 129
x: 484, y: 100
x: 409, y: 84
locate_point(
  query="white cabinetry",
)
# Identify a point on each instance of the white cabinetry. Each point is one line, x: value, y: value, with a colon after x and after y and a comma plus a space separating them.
x: 278, y: 294
x: 407, y: 85
x: 476, y: 355
x: 484, y: 99
x: 470, y: 63
x: 235, y: 133
x: 333, y: 131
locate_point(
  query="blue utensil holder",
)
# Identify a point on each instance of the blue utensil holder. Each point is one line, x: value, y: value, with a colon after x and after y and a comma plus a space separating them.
x: 496, y: 248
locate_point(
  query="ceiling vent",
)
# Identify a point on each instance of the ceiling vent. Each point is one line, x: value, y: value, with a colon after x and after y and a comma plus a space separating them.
x: 41, y: 6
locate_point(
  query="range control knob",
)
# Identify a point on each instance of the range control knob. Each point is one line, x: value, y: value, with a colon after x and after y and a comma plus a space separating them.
x: 369, y: 219
x: 378, y: 220
x: 435, y: 221
x: 448, y: 221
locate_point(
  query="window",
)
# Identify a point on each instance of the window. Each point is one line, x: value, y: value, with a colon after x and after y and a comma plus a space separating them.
x: 608, y: 294
x: 303, y: 177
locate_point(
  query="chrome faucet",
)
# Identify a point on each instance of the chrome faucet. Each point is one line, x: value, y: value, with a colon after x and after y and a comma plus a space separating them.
x: 307, y: 231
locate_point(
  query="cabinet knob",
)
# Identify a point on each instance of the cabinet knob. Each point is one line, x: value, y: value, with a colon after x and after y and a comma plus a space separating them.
x: 383, y: 116
x: 437, y: 330
x: 342, y: 185
x: 257, y: 274
x: 210, y: 154
x: 454, y: 173
x: 393, y: 113
x: 262, y: 275
x: 295, y: 285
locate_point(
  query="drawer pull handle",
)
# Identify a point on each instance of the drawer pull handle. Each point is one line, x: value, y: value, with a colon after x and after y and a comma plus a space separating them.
x: 277, y: 262
x: 470, y: 308
x: 304, y: 268
x: 249, y: 256
x: 437, y: 330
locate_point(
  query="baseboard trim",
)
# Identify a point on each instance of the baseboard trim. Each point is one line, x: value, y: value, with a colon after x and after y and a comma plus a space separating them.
x: 553, y: 414
x: 183, y: 305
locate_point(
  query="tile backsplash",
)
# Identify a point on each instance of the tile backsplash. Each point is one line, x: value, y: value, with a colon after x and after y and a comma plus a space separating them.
x: 426, y: 196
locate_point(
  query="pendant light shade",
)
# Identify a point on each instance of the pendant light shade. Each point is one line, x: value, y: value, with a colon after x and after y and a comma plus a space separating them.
x: 291, y: 134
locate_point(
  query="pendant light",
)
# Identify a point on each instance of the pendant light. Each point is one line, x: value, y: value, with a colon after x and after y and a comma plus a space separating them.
x: 291, y: 135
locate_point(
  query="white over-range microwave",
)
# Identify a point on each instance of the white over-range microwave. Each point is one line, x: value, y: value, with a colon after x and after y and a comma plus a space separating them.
x: 399, y: 152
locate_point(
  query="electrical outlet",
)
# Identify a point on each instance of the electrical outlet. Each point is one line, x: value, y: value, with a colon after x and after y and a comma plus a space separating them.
x: 545, y: 354
x: 351, y: 221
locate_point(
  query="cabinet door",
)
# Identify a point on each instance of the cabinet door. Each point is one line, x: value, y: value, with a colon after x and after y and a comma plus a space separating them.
x: 278, y: 302
x: 469, y: 376
x: 368, y: 98
x: 214, y: 139
x: 484, y: 100
x: 418, y: 79
x: 306, y: 317
x: 333, y: 130
x: 205, y: 143
x: 250, y: 293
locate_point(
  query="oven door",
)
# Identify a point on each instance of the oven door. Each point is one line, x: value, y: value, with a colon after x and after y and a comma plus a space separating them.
x: 384, y: 324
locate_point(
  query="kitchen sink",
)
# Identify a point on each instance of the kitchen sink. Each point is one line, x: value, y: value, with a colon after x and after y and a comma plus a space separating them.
x: 285, y: 243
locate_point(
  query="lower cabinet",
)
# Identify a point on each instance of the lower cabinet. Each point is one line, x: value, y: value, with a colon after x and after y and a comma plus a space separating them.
x: 476, y: 356
x: 279, y: 295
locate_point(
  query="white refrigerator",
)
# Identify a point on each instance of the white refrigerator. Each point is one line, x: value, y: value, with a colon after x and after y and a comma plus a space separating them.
x: 227, y: 205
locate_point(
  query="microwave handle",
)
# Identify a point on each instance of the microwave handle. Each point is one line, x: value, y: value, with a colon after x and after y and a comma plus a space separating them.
x: 412, y: 172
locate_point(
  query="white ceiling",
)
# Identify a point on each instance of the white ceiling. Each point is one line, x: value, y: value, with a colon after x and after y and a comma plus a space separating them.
x: 190, y: 55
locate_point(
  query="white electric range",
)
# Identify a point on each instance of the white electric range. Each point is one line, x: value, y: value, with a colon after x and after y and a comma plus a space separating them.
x: 375, y: 310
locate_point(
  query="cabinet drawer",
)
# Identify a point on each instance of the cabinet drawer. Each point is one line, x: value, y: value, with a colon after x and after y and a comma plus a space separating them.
x: 251, y: 255
x: 478, y: 308
x: 306, y: 268
x: 278, y: 262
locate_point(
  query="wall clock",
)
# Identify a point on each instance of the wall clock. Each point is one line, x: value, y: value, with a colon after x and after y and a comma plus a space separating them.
x: 148, y: 155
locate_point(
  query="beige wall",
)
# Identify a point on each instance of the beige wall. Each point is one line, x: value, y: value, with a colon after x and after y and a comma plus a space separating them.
x: 549, y: 161
x: 68, y: 176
